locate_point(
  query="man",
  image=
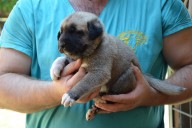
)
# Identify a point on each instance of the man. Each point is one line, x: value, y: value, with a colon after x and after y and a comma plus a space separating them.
x: 158, y: 31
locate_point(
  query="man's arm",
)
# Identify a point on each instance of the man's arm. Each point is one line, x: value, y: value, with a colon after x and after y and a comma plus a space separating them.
x: 177, y: 51
x: 24, y: 94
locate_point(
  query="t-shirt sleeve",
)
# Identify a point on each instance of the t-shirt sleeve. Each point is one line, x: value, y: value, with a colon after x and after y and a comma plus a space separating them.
x: 17, y: 33
x: 175, y: 17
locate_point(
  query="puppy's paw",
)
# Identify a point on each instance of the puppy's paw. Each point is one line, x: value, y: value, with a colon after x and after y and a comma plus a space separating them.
x: 91, y: 113
x: 55, y: 73
x: 67, y: 100
x: 57, y: 67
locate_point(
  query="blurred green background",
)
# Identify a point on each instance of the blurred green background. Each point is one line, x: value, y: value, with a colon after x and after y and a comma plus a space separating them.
x: 6, y: 6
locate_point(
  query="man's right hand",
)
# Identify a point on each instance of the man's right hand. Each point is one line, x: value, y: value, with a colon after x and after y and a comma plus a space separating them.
x: 69, y: 79
x: 70, y: 76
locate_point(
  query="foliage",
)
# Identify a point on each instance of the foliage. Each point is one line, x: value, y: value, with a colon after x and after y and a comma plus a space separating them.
x: 6, y: 6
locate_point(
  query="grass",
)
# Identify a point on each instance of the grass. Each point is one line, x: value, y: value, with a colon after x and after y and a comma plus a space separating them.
x: 11, y: 119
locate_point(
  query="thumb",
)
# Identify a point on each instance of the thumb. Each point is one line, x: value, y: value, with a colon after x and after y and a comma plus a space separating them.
x: 77, y: 77
x: 120, y: 98
x: 138, y: 74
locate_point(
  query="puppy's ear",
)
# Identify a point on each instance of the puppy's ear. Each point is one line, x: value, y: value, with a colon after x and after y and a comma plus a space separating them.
x: 58, y: 35
x: 95, y: 29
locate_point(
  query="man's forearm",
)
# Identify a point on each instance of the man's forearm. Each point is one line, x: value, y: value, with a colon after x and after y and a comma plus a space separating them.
x: 20, y: 93
x: 182, y: 77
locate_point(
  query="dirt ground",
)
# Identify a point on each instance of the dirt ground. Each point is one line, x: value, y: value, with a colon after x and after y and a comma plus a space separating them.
x: 11, y: 119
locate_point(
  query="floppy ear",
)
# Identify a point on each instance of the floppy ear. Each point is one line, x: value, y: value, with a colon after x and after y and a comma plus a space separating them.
x: 58, y: 35
x: 95, y: 29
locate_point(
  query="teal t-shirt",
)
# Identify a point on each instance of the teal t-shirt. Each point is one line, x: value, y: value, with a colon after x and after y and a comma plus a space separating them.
x: 32, y: 28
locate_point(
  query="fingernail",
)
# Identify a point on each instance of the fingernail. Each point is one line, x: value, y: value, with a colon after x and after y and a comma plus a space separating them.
x: 104, y: 97
x: 96, y: 104
x: 79, y: 61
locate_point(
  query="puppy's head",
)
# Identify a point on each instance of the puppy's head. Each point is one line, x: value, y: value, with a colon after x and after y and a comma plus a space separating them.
x: 80, y: 34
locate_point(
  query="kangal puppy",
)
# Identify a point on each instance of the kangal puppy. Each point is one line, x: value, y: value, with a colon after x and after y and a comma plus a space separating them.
x: 106, y: 59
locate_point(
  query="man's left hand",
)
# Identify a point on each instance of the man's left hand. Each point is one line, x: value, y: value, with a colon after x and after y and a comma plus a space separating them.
x: 142, y: 95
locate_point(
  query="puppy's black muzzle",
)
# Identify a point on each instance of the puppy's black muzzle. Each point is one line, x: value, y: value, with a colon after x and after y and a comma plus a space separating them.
x: 71, y: 44
x: 64, y: 43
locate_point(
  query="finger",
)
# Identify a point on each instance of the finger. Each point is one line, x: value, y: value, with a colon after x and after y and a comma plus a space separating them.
x: 71, y: 68
x: 141, y: 81
x: 112, y: 107
x: 103, y: 112
x: 128, y: 98
x: 77, y: 77
x: 115, y: 98
x: 139, y: 76
x: 94, y: 94
x: 137, y: 73
x: 89, y: 96
x: 105, y: 107
x: 67, y: 78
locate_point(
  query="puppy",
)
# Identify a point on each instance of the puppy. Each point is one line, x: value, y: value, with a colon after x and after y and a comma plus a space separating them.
x: 106, y: 59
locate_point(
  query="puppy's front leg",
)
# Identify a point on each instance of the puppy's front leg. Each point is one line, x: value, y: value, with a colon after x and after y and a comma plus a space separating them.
x: 57, y: 67
x: 91, y: 81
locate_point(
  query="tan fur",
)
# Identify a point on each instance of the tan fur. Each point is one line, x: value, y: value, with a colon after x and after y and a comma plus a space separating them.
x: 107, y: 61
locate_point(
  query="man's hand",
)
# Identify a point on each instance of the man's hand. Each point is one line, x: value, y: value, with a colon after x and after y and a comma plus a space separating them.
x: 142, y: 95
x: 69, y: 79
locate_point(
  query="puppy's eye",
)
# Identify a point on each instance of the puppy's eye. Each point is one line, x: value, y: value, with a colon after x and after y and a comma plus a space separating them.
x: 72, y: 29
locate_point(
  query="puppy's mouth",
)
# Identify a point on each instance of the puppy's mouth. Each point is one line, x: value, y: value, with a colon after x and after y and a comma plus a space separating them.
x: 74, y: 49
x: 61, y: 49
